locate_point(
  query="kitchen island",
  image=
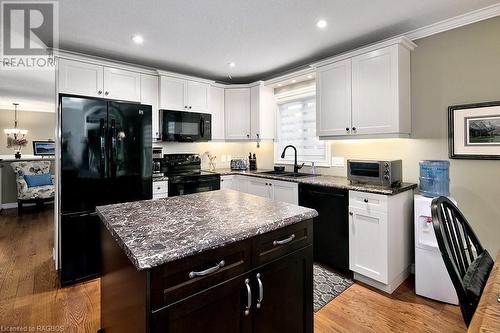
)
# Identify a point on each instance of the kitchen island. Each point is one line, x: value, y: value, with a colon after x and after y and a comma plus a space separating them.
x: 220, y: 261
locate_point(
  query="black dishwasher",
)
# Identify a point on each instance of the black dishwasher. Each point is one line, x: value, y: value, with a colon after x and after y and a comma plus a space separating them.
x: 331, y: 229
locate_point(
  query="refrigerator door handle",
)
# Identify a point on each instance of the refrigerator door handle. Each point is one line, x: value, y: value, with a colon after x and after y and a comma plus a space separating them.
x: 102, y: 150
x: 202, y: 127
x: 112, y: 156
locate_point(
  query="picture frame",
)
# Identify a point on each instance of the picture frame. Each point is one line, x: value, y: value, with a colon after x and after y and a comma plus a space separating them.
x: 474, y: 131
x: 44, y: 148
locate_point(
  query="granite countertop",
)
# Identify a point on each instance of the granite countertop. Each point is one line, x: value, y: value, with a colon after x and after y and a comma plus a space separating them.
x: 153, y: 232
x: 160, y: 179
x: 326, y: 181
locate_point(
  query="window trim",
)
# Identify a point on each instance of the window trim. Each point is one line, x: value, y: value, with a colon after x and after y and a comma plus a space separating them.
x: 287, y: 97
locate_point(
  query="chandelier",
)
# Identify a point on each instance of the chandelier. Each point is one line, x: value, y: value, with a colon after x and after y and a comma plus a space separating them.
x: 16, y: 137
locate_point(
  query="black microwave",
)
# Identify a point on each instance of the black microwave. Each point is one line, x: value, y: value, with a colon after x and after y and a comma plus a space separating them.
x: 184, y: 126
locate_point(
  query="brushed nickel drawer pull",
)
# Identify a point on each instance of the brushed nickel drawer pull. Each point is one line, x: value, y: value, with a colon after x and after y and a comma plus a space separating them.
x: 249, y: 297
x: 284, y: 241
x: 261, y: 292
x: 207, y: 271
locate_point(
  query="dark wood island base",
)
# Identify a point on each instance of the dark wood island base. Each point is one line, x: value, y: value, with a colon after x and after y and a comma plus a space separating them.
x: 260, y: 284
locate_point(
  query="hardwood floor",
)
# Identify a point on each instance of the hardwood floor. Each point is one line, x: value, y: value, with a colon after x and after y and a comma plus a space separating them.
x: 30, y: 294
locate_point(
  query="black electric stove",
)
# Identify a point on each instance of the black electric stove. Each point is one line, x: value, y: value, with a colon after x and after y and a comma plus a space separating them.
x: 185, y: 175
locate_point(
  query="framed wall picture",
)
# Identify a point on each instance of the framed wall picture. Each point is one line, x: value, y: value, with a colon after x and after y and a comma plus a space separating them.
x: 44, y: 148
x: 474, y: 131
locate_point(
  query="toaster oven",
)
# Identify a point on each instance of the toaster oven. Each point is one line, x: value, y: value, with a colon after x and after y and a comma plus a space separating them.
x: 385, y: 173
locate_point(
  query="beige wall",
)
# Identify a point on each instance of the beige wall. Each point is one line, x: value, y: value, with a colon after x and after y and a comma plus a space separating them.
x: 456, y: 67
x: 264, y: 154
x: 41, y: 126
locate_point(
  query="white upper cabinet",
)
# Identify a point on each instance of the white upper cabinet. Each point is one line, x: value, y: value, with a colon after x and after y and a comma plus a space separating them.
x: 250, y: 113
x: 149, y: 96
x: 86, y: 79
x: 262, y: 112
x: 172, y: 93
x: 122, y: 84
x: 333, y: 96
x: 237, y: 113
x: 367, y: 95
x: 80, y: 78
x: 216, y: 109
x: 183, y: 95
x: 197, y: 96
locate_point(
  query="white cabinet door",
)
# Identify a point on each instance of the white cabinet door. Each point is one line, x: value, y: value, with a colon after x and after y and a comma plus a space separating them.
x: 259, y: 187
x: 368, y: 243
x: 375, y: 92
x: 262, y: 113
x: 333, y: 93
x: 237, y: 113
x: 80, y: 78
x: 285, y: 192
x: 227, y: 182
x: 197, y: 96
x: 216, y: 109
x: 122, y: 84
x: 255, y: 112
x: 172, y: 93
x: 149, y: 96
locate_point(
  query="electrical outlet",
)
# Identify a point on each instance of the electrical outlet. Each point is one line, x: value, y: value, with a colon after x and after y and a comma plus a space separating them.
x: 338, y: 162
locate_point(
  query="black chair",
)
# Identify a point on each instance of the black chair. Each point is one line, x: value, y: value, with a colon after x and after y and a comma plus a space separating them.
x: 467, y: 262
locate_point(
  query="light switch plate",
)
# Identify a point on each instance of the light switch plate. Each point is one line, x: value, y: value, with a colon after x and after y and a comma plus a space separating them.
x: 338, y: 162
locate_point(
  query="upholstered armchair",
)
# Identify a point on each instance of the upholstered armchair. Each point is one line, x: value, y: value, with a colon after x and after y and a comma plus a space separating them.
x: 34, y: 193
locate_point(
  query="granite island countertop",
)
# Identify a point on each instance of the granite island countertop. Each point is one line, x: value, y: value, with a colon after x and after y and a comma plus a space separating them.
x: 324, y: 180
x: 153, y: 232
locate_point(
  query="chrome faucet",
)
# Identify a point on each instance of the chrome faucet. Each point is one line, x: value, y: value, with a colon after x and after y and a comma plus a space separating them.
x: 296, y: 167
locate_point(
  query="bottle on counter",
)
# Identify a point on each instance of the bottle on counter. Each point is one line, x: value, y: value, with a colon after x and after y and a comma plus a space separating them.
x: 313, y: 169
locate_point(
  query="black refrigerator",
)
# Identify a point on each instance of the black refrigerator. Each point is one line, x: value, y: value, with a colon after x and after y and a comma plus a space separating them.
x: 106, y: 157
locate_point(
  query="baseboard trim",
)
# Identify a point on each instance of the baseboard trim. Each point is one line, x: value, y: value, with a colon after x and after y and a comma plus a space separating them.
x: 388, y: 288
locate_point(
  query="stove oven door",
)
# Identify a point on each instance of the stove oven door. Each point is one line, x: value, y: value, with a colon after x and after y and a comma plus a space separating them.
x: 188, y: 185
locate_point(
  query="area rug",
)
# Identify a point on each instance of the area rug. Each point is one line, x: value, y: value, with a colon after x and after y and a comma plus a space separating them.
x: 328, y: 284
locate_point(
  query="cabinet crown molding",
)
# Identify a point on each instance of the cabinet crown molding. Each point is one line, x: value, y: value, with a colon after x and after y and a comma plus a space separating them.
x: 184, y: 77
x: 404, y: 41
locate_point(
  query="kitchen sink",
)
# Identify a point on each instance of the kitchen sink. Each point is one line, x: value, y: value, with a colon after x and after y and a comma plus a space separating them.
x: 286, y: 174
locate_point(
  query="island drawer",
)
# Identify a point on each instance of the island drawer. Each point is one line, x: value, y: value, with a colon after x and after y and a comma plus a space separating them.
x: 179, y: 279
x: 274, y: 244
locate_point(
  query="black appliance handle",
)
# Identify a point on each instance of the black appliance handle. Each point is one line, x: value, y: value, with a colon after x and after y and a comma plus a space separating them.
x: 112, y: 156
x: 202, y: 127
x: 324, y: 193
x: 199, y: 181
x: 102, y: 148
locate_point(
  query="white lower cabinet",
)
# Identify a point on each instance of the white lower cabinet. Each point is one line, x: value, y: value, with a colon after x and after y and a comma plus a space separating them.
x: 380, y: 238
x: 273, y: 189
x: 160, y: 189
x: 227, y: 182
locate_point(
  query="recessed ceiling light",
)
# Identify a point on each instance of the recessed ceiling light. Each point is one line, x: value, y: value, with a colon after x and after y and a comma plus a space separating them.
x: 231, y: 64
x: 321, y: 24
x: 279, y: 84
x: 138, y: 39
x: 293, y: 81
x: 309, y: 76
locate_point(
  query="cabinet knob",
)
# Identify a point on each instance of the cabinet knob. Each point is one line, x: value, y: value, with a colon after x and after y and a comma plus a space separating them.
x: 366, y: 200
x: 222, y: 180
x: 99, y: 92
x: 354, y: 128
x: 185, y: 106
x: 267, y: 184
x: 351, y: 213
x: 106, y: 93
x: 189, y: 107
x: 248, y: 135
x: 347, y: 129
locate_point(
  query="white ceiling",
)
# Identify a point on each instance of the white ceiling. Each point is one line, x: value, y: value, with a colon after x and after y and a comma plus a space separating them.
x: 263, y: 37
